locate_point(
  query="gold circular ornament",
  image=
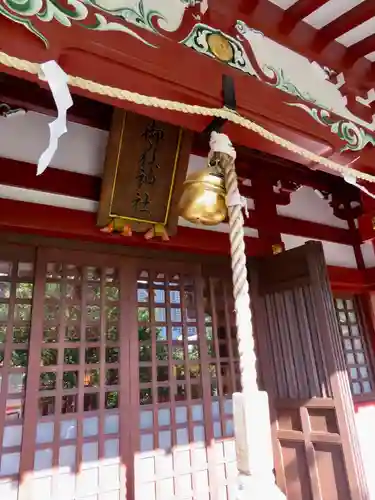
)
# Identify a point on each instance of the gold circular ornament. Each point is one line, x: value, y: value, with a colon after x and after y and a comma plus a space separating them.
x: 220, y: 47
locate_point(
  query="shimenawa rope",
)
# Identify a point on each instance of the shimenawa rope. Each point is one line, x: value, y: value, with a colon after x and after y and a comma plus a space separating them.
x: 156, y: 102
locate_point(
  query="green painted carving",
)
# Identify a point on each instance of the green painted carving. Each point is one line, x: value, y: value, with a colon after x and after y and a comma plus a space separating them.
x: 356, y: 137
x: 286, y: 85
x: 242, y: 60
x: 23, y: 11
x: 89, y: 14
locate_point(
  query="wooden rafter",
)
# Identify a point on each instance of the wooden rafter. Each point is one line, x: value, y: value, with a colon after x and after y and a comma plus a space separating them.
x: 360, y: 49
x: 288, y: 28
x: 298, y: 11
x: 346, y: 22
x: 247, y: 7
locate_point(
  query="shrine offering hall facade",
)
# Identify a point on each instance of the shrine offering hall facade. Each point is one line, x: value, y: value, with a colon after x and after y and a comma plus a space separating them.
x: 119, y: 348
x: 119, y: 355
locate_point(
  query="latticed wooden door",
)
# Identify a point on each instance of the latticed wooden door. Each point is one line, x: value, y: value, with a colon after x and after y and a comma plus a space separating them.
x: 304, y: 372
x: 188, y: 370
x: 117, y: 376
x: 76, y: 431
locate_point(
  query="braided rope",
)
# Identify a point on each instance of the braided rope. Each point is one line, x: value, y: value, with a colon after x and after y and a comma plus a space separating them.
x: 139, y: 99
x: 245, y: 338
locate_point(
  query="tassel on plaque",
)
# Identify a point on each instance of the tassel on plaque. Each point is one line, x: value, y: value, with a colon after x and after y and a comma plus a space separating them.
x: 127, y: 231
x: 117, y: 226
x: 157, y: 230
x: 108, y: 228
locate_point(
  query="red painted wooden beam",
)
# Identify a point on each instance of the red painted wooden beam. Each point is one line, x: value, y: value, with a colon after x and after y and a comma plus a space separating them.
x: 349, y: 280
x: 366, y: 226
x: 53, y: 180
x: 21, y: 217
x: 34, y: 97
x: 352, y: 280
x: 248, y: 6
x: 28, y: 218
x: 20, y: 174
x: 80, y: 226
x: 265, y: 205
x: 303, y: 8
x: 347, y: 21
x: 370, y: 277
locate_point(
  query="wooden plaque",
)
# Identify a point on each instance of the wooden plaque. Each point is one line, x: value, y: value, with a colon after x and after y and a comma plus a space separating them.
x: 144, y: 170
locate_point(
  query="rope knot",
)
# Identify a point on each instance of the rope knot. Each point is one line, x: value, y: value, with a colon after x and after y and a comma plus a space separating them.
x: 235, y: 199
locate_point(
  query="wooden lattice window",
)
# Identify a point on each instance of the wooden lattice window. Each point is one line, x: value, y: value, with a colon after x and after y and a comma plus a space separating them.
x: 222, y: 348
x: 16, y: 299
x: 72, y: 440
x: 355, y: 347
x: 169, y: 360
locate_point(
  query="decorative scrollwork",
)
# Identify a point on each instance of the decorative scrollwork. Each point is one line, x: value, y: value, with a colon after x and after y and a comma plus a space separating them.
x: 87, y: 13
x: 355, y: 137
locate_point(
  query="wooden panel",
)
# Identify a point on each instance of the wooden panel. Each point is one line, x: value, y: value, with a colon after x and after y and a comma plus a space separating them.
x: 297, y: 360
x: 331, y: 471
x: 297, y: 477
x: 302, y: 366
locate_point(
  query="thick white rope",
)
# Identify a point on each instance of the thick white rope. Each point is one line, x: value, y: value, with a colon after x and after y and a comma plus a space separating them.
x: 227, y: 114
x: 253, y: 438
x: 245, y: 338
x: 223, y: 155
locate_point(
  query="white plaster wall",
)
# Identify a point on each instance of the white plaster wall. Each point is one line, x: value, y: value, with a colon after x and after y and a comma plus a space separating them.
x: 305, y: 204
x: 365, y: 420
x: 81, y: 149
x: 335, y: 254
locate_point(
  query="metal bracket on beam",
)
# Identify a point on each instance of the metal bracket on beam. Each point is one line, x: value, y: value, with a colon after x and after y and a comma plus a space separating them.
x: 229, y: 98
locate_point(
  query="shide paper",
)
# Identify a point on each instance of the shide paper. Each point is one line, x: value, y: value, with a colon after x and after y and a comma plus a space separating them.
x: 57, y: 80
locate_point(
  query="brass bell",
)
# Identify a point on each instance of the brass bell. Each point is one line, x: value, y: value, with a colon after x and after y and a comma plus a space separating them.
x: 203, y: 198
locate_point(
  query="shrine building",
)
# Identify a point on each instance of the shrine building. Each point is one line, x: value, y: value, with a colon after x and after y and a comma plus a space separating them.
x: 187, y: 213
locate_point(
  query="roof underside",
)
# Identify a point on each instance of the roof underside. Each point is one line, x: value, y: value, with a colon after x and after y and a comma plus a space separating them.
x: 348, y: 22
x: 338, y: 34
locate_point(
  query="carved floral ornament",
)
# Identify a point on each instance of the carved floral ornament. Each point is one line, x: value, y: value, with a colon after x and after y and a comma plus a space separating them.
x: 7, y: 111
x: 345, y: 204
x: 324, y: 95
